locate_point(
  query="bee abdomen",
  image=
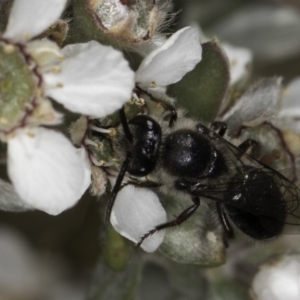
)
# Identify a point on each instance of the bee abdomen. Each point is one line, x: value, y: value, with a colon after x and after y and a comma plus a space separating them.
x: 255, y: 204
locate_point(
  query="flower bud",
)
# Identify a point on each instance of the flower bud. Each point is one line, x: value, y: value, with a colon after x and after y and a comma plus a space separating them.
x: 129, y: 24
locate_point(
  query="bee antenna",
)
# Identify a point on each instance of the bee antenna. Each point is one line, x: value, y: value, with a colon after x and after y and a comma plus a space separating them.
x: 117, y: 186
x: 125, y: 126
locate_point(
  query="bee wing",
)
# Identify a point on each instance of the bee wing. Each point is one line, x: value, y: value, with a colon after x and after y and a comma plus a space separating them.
x: 242, y: 164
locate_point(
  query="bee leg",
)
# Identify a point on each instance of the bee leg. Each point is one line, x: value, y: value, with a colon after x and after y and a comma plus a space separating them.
x: 146, y: 184
x: 219, y: 127
x: 190, y: 187
x: 224, y: 219
x: 168, y: 107
x: 125, y: 126
x: 178, y: 221
x: 117, y: 187
x: 124, y: 167
x: 248, y: 146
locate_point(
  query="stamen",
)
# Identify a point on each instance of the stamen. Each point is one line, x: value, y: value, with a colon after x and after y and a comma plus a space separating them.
x: 153, y: 84
x: 98, y: 129
x: 110, y: 131
x: 90, y: 142
x: 140, y: 102
x: 108, y: 164
x: 96, y: 162
x: 136, y: 100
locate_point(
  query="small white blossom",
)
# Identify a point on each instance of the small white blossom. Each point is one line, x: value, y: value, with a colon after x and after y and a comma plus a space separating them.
x: 38, y: 155
x: 127, y: 24
x: 290, y: 102
x: 170, y: 62
x: 278, y: 280
x: 258, y: 104
x: 289, y: 108
x: 240, y: 61
x: 47, y: 172
x: 137, y: 211
x: 94, y: 80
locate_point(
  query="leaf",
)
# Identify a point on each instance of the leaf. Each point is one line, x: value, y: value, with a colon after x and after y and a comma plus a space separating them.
x: 202, y: 90
x: 118, y: 270
x: 199, y: 240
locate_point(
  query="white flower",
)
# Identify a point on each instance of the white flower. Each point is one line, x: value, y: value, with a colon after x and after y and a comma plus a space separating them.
x: 240, y: 61
x: 47, y: 172
x: 137, y: 211
x: 290, y: 102
x: 95, y: 80
x: 46, y: 169
x: 170, y: 62
x: 258, y: 104
x: 278, y: 280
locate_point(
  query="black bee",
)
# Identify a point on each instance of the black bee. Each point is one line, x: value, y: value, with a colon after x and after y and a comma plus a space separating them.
x: 191, y: 158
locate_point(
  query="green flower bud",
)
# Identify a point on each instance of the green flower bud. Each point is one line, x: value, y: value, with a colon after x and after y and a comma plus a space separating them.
x: 126, y: 24
x: 18, y: 86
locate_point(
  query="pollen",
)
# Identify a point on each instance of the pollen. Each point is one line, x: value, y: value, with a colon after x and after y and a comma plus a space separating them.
x: 26, y: 35
x: 100, y: 146
x: 140, y: 102
x: 112, y: 132
x: 9, y: 48
x: 153, y: 84
x: 102, y: 163
x: 56, y: 69
x: 131, y: 101
x: 3, y: 120
x: 59, y: 85
x: 30, y: 134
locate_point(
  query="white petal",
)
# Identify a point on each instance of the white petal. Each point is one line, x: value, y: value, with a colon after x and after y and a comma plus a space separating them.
x: 278, y: 279
x: 136, y: 211
x: 45, y: 169
x: 170, y: 62
x: 291, y: 101
x: 256, y: 105
x: 28, y: 18
x: 45, y: 53
x: 94, y: 80
x: 240, y: 60
x: 87, y: 172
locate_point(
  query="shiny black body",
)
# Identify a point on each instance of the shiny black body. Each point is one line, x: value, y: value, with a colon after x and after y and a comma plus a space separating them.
x: 249, y: 195
x: 188, y: 153
x: 145, y: 146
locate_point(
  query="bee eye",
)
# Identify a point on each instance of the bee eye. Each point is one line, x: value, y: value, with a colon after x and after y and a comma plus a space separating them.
x: 147, y: 139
